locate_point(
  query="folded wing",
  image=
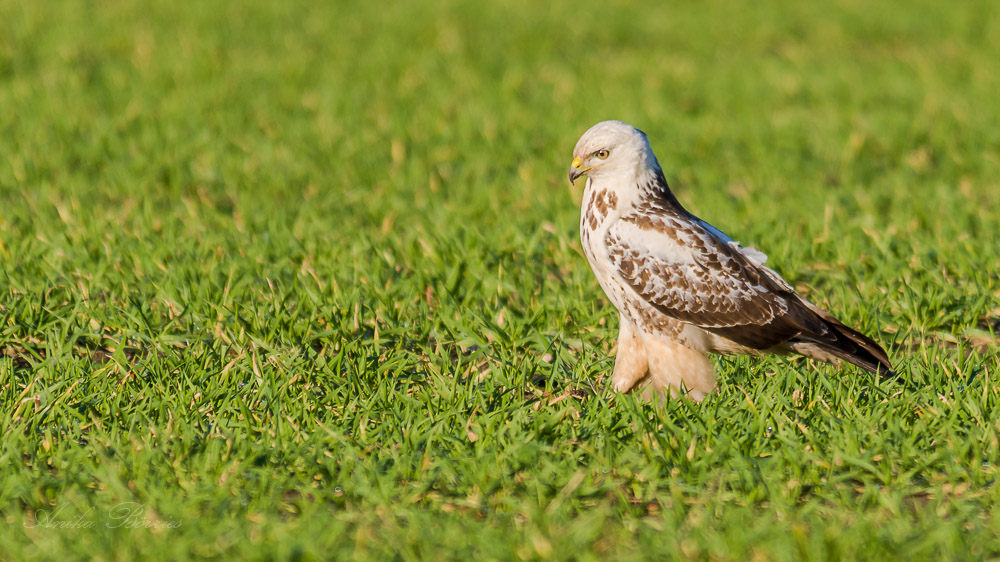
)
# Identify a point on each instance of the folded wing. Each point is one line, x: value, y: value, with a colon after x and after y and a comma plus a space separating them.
x: 691, y: 271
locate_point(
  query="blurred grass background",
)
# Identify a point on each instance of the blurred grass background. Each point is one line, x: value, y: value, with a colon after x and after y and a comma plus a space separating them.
x: 302, y: 280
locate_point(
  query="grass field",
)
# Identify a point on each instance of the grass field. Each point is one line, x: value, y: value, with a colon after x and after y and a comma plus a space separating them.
x: 293, y: 280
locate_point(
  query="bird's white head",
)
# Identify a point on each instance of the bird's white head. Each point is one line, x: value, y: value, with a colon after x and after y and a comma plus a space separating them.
x: 612, y: 149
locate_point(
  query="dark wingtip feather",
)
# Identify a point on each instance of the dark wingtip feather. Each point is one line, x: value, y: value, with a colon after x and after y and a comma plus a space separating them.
x: 866, y: 353
x: 855, y: 348
x: 849, y: 344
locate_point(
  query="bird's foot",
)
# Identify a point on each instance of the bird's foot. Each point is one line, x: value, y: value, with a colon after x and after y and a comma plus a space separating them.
x: 627, y: 384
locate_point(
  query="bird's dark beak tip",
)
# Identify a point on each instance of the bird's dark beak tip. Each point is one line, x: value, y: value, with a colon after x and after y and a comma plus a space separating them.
x: 573, y: 174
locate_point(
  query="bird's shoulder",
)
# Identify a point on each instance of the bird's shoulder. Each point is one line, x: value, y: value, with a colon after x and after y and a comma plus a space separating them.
x: 691, y: 270
x: 673, y: 234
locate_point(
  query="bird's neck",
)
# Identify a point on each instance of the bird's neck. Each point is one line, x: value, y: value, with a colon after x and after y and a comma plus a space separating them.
x: 649, y: 188
x: 656, y: 189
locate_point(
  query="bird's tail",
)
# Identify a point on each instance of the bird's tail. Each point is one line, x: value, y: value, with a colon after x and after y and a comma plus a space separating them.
x: 844, y: 343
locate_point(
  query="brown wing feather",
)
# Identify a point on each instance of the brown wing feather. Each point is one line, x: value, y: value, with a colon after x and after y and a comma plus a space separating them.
x: 688, y: 273
x: 704, y: 278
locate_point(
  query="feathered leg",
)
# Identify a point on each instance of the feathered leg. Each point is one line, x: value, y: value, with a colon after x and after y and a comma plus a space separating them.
x: 631, y: 365
x: 678, y: 369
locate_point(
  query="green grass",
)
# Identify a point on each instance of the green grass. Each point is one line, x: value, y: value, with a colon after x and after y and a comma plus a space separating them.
x: 296, y: 280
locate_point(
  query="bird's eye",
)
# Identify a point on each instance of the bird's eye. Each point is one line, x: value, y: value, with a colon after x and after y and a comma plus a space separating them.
x: 603, y: 154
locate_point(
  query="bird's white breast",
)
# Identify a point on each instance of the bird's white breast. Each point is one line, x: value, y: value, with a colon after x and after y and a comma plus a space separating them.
x: 602, y: 206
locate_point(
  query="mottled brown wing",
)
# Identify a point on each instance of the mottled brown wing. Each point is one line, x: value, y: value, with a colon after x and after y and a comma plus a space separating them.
x: 692, y: 272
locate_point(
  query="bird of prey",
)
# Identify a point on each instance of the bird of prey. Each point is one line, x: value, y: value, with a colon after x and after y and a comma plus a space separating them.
x: 682, y: 287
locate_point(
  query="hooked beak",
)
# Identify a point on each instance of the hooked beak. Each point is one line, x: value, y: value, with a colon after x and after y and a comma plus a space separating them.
x: 576, y: 170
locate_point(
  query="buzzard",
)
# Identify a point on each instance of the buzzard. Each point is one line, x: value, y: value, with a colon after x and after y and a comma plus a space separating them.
x: 682, y: 287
